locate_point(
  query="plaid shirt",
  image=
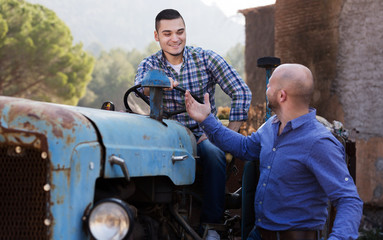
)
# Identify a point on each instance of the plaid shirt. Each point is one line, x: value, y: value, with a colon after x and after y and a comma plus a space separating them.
x: 201, y: 70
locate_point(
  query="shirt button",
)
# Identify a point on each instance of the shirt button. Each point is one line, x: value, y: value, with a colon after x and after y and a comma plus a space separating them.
x: 346, y: 179
x: 268, y: 167
x: 260, y: 202
x: 264, y: 184
x: 259, y: 219
x: 274, y: 149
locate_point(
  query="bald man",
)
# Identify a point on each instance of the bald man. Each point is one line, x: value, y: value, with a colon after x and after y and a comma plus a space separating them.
x: 302, y: 165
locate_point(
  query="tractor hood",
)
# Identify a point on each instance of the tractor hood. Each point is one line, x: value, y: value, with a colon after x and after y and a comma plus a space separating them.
x: 146, y: 146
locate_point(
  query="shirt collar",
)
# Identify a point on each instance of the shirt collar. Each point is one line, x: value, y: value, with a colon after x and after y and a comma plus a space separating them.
x: 299, y: 121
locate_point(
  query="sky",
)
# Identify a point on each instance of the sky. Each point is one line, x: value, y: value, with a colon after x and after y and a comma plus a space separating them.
x: 231, y: 7
x: 111, y: 32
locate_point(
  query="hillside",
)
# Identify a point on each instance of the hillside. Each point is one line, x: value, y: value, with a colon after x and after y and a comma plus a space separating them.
x: 129, y: 24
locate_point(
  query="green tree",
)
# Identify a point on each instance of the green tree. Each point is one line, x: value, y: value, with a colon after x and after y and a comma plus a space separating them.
x: 3, y: 30
x: 37, y: 58
x: 235, y: 56
x: 113, y: 74
x: 135, y: 56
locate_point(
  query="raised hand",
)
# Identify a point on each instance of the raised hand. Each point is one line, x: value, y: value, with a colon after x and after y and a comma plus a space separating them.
x: 197, y: 111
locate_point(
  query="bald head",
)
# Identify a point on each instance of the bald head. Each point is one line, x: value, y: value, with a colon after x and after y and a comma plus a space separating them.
x: 297, y: 80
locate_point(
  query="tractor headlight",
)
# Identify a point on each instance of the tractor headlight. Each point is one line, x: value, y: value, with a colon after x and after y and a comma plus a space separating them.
x: 110, y: 219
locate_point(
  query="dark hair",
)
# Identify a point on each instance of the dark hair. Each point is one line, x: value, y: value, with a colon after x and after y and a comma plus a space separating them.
x: 167, y: 14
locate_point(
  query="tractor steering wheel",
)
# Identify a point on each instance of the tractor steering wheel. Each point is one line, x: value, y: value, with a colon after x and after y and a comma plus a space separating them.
x: 145, y: 99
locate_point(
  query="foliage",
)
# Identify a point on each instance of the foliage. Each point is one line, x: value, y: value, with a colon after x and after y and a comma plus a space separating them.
x: 223, y: 112
x: 37, y: 59
x: 236, y: 58
x: 113, y: 74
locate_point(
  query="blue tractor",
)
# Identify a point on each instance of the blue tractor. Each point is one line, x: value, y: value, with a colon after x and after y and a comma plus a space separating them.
x: 71, y: 172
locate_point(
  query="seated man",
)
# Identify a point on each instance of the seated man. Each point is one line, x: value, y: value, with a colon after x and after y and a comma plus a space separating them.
x: 199, y: 71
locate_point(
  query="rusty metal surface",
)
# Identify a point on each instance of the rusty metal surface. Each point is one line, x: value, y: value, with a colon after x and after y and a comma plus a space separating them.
x: 54, y: 181
x: 29, y: 115
x: 146, y: 145
x: 76, y: 142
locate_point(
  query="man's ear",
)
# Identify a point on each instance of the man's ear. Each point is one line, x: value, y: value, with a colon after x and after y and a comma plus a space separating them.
x: 156, y: 35
x: 282, y: 95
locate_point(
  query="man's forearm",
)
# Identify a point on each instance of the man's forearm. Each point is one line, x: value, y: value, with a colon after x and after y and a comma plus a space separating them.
x: 228, y: 140
x: 235, y: 125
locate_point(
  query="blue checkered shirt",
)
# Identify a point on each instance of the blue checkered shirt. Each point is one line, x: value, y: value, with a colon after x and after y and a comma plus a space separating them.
x: 201, y: 70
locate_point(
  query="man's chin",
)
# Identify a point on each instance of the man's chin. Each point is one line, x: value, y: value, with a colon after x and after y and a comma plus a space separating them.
x: 271, y: 107
x: 175, y: 53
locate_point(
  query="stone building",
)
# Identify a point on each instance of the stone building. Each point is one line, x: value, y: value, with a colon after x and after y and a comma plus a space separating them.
x: 341, y: 41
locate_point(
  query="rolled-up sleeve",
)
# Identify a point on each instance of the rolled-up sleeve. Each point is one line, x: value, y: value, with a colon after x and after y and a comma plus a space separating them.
x: 233, y: 85
x: 330, y: 169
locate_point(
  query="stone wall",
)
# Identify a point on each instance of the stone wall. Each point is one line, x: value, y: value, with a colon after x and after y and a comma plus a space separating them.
x: 341, y: 41
x: 359, y: 79
x: 359, y: 83
x: 306, y: 32
x: 259, y: 43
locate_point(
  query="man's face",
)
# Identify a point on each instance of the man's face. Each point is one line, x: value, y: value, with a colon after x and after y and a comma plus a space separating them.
x: 272, y: 94
x: 171, y: 36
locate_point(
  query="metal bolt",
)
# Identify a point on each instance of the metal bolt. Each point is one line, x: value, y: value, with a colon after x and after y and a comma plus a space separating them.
x: 47, y: 222
x: 47, y: 187
x: 18, y: 149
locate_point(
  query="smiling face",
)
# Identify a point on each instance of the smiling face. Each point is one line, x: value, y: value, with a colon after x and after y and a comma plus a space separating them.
x: 171, y: 35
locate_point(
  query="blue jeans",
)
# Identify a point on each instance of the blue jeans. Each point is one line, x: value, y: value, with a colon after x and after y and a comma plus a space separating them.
x: 213, y: 163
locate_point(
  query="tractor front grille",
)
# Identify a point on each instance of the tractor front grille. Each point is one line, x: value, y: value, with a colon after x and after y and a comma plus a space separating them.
x: 24, y: 204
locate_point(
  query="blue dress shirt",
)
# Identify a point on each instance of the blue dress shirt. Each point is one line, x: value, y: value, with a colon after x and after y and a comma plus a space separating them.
x: 300, y: 170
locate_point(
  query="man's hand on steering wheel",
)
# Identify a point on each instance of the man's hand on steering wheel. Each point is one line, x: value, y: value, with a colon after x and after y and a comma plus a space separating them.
x: 143, y: 95
x: 173, y: 84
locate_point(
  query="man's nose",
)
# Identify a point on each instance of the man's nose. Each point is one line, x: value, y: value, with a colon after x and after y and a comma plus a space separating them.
x: 174, y: 38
